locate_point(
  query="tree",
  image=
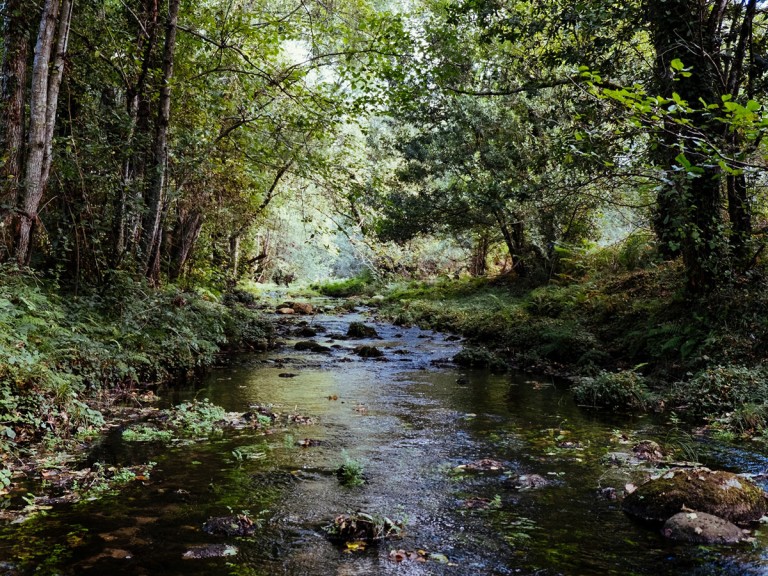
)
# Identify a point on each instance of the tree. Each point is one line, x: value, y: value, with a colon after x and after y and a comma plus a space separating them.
x: 47, y: 73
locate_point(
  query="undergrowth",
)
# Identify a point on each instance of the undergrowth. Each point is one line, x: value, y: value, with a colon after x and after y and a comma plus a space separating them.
x: 601, y: 325
x: 58, y: 353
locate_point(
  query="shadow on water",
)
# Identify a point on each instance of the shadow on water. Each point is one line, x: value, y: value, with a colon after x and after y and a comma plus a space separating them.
x: 412, y: 423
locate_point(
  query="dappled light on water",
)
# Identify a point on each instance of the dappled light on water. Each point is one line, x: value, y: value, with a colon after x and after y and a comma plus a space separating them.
x: 401, y: 464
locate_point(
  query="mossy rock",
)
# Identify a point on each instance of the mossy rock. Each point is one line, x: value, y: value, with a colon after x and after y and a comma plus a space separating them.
x: 722, y: 494
x: 368, y: 352
x: 360, y: 330
x: 312, y: 346
x: 239, y: 525
x: 480, y: 358
x: 701, y: 528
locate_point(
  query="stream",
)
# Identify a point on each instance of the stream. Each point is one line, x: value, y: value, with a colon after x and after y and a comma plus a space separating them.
x: 413, y: 421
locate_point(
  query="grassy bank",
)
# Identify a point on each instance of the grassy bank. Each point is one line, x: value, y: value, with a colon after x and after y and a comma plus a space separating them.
x: 63, y: 356
x: 628, y: 341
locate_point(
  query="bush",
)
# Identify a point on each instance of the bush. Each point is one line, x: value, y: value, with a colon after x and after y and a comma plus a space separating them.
x: 480, y: 358
x: 720, y: 389
x: 625, y: 390
x: 356, y: 286
x: 57, y: 353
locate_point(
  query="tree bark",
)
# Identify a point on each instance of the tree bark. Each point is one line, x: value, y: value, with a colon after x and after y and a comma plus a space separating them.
x: 513, y: 238
x: 478, y: 264
x: 151, y: 224
x: 124, y: 219
x: 16, y: 40
x: 188, y: 228
x: 44, y: 92
x: 688, y: 219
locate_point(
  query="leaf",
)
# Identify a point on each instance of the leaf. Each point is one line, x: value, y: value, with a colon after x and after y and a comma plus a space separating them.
x: 677, y: 64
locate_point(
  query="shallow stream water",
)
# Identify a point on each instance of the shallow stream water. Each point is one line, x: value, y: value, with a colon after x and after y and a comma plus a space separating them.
x: 412, y: 422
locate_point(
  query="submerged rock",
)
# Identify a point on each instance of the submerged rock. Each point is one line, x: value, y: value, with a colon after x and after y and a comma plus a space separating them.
x: 302, y: 308
x: 312, y: 346
x: 701, y: 528
x: 360, y: 330
x: 210, y: 551
x: 648, y: 450
x: 722, y: 494
x: 368, y: 352
x: 527, y: 482
x: 484, y: 465
x: 239, y: 525
x: 363, y: 527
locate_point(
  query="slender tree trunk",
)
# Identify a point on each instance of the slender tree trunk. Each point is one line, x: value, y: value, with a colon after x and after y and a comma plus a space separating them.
x: 478, y: 264
x: 124, y: 219
x: 234, y: 256
x: 513, y: 237
x: 151, y: 225
x: 740, y: 215
x: 44, y: 93
x: 188, y: 228
x: 15, y: 40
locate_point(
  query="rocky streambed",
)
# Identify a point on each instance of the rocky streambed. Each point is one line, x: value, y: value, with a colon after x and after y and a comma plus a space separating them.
x: 359, y: 448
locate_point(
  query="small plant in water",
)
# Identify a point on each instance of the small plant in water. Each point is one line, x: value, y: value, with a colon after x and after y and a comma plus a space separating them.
x: 350, y: 473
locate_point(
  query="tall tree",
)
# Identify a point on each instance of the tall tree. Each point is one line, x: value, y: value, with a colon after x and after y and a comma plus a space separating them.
x: 47, y: 73
x: 16, y: 22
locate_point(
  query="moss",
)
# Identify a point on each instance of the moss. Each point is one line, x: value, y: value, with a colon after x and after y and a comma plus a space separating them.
x: 480, y: 358
x: 722, y: 494
x: 360, y: 330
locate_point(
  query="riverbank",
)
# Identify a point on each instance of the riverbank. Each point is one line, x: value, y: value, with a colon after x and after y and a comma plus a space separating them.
x: 69, y: 360
x: 631, y: 341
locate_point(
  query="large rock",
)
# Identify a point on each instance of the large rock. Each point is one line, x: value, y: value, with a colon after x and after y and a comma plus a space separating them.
x: 701, y: 528
x: 239, y: 525
x: 360, y: 330
x: 302, y: 307
x: 722, y: 494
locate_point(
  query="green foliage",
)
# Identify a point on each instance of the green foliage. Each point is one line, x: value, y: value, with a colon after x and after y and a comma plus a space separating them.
x: 350, y: 473
x: 625, y: 391
x: 480, y: 358
x: 720, y: 389
x: 196, y: 418
x: 357, y: 286
x: 56, y: 353
x: 146, y: 433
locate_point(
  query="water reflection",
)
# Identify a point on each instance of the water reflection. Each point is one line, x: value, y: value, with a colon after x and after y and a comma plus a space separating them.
x: 411, y: 423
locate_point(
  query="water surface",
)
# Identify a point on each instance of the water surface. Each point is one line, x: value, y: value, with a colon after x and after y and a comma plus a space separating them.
x: 411, y: 421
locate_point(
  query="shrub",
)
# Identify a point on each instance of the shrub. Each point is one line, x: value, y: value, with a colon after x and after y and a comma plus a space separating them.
x: 625, y: 390
x: 350, y: 473
x: 357, y: 286
x: 720, y: 389
x: 480, y: 358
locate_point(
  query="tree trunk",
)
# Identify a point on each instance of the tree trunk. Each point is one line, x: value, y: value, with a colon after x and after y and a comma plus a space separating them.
x: 151, y: 224
x: 44, y: 93
x: 478, y: 264
x: 513, y: 238
x: 740, y: 215
x: 185, y: 236
x: 12, y: 92
x: 124, y: 219
x: 688, y: 219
